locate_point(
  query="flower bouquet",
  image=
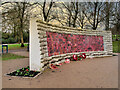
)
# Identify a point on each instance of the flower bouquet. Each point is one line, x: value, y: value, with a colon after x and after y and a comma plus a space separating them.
x: 80, y: 57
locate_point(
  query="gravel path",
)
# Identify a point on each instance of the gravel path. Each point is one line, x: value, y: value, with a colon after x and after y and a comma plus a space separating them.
x: 90, y: 73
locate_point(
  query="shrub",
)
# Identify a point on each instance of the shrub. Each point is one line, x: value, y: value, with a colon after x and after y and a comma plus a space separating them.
x: 9, y: 40
x: 26, y: 36
x: 5, y: 35
x: 4, y: 41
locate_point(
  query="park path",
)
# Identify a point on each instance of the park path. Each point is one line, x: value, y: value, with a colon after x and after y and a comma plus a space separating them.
x: 21, y: 52
x: 90, y: 73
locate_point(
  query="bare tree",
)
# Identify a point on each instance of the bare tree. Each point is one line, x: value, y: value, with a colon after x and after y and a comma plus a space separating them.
x: 117, y: 18
x: 45, y: 12
x: 81, y: 20
x: 46, y: 8
x: 69, y: 8
x: 19, y: 12
x: 76, y: 11
x: 108, y: 13
x: 94, y: 13
x: 72, y: 12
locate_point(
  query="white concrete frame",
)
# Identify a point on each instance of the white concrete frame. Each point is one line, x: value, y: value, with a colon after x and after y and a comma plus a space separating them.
x: 34, y: 55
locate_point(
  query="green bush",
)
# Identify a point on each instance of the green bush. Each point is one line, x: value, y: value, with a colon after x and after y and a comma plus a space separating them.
x: 4, y: 41
x: 5, y: 35
x: 116, y: 46
x: 26, y: 36
x: 114, y: 37
x: 9, y: 40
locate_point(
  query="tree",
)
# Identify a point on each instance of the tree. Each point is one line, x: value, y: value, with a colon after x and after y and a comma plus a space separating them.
x: 46, y: 9
x: 21, y: 12
x: 46, y: 12
x: 9, y: 21
x: 69, y: 8
x: 117, y: 24
x: 76, y: 11
x: 94, y: 13
x: 108, y: 12
x: 72, y: 12
x: 115, y: 17
x: 81, y: 20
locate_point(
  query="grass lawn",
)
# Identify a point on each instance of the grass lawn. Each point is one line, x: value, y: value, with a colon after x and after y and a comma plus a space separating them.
x: 15, y: 46
x: 114, y: 37
x: 8, y: 56
x: 116, y: 46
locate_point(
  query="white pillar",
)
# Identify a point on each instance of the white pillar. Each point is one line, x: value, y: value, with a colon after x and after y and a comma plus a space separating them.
x: 34, y: 55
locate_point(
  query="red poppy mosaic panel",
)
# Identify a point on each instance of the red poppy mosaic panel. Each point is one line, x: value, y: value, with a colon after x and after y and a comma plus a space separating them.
x: 58, y: 43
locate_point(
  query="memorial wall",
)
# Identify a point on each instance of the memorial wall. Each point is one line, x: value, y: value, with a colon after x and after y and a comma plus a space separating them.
x: 53, y: 44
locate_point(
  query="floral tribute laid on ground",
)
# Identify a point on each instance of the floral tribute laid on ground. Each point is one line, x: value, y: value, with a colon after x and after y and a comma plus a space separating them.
x: 74, y: 58
x: 24, y: 72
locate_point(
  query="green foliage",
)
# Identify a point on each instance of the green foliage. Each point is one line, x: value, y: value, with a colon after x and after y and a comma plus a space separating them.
x: 114, y: 37
x: 5, y: 35
x: 116, y: 46
x: 10, y: 38
x: 25, y: 36
x: 18, y: 70
x: 4, y: 41
x: 15, y: 46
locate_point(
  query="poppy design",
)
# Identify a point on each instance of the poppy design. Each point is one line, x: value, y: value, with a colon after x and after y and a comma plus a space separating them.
x: 58, y: 43
x: 67, y: 61
x: 75, y: 57
x: 53, y: 66
x: 83, y: 55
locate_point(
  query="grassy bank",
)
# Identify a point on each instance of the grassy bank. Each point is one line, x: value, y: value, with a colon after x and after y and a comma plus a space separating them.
x: 114, y: 37
x: 8, y: 56
x: 15, y: 46
x: 116, y: 46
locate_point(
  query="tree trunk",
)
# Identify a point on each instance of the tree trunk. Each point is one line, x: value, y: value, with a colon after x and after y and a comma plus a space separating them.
x: 107, y: 17
x: 15, y: 32
x: 70, y: 21
x: 74, y: 21
x: 94, y: 28
x: 76, y: 13
x: 119, y: 19
x: 22, y: 41
x: 82, y: 24
x: 44, y: 14
x: 21, y: 25
x: 21, y: 33
x: 94, y: 20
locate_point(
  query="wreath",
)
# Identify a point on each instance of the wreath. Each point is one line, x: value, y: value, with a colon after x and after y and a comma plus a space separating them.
x: 80, y: 57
